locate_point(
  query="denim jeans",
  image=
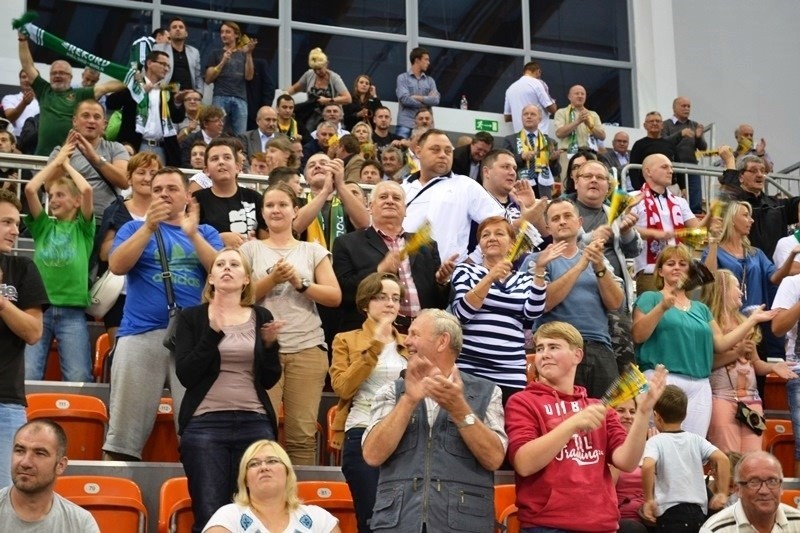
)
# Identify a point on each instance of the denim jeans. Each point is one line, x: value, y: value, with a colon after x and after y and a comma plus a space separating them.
x: 402, y: 131
x: 68, y: 325
x: 793, y: 392
x: 361, y: 478
x: 695, y: 186
x: 12, y: 417
x: 235, y: 112
x: 212, y: 445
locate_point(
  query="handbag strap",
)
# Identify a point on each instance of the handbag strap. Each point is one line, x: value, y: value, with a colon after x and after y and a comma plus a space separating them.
x: 166, y: 275
x: 727, y: 373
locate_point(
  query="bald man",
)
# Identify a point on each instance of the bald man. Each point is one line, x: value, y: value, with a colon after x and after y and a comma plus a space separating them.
x: 256, y: 140
x: 576, y: 126
x: 688, y: 137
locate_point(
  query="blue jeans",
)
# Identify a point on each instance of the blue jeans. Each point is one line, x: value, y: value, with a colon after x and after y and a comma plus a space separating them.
x: 211, y: 448
x: 402, y: 131
x: 68, y: 326
x: 361, y: 478
x: 12, y: 417
x: 695, y: 186
x: 793, y: 393
x: 235, y: 112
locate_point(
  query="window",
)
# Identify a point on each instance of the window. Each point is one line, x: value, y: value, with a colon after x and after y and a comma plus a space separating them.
x: 498, y: 22
x: 253, y: 8
x: 386, y: 16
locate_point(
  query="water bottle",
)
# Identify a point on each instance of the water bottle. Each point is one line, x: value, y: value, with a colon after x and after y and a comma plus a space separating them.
x: 464, y: 104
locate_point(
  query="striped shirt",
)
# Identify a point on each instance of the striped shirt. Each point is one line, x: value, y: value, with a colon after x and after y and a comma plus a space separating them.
x: 494, y: 341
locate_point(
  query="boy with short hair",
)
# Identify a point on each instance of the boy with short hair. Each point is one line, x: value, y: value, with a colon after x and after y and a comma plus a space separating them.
x: 672, y: 469
x: 561, y: 442
x: 62, y: 246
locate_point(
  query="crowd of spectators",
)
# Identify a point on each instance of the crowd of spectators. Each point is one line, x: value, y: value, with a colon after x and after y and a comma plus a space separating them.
x: 423, y: 294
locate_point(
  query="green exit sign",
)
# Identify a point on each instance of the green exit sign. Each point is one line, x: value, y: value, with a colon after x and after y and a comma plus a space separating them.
x: 486, y: 125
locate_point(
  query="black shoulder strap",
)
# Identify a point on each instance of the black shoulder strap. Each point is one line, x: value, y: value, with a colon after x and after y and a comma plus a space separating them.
x: 165, y: 273
x: 425, y: 189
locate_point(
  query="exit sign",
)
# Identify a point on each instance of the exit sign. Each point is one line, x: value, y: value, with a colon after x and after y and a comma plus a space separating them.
x: 486, y: 125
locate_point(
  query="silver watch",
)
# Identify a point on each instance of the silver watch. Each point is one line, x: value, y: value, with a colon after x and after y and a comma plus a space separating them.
x: 469, y: 420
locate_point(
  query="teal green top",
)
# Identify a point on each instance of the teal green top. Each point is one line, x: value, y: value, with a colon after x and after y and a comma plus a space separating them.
x: 682, y: 341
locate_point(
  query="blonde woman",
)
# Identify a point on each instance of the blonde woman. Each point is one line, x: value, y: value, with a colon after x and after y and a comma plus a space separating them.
x: 323, y: 86
x: 267, y: 498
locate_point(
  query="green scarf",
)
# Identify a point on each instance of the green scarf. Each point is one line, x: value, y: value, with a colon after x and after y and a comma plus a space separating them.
x: 50, y: 41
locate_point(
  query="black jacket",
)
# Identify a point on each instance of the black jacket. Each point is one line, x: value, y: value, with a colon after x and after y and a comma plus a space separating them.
x: 197, y: 361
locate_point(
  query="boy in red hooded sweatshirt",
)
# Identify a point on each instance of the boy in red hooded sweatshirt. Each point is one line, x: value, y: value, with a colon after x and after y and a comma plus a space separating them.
x: 561, y: 442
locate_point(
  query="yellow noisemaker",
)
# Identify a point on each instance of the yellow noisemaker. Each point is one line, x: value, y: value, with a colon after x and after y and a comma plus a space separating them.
x: 694, y: 237
x: 519, y: 242
x: 620, y: 200
x: 368, y: 150
x: 630, y: 384
x: 422, y: 237
x: 242, y: 41
x: 718, y: 208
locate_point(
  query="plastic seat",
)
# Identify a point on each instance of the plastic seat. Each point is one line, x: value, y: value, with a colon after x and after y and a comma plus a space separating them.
x: 83, y: 418
x: 509, y: 523
x: 775, y: 427
x: 504, y: 496
x: 334, y: 455
x: 102, y: 350
x: 52, y: 368
x: 115, y: 503
x: 175, y: 507
x: 334, y: 496
x: 775, y: 397
x: 782, y: 447
x: 162, y: 445
x: 791, y: 497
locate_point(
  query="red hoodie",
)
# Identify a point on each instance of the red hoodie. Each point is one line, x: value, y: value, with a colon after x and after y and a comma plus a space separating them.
x: 574, y: 491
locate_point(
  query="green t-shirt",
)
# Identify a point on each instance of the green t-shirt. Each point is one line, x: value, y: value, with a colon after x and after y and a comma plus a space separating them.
x: 55, y: 113
x: 61, y: 253
x: 682, y: 341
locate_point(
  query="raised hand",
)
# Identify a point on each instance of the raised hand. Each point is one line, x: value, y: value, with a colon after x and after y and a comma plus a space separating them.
x: 390, y: 262
x: 448, y: 394
x: 762, y: 315
x: 657, y: 383
x: 551, y: 252
x: 446, y: 270
x: 269, y: 332
x: 282, y: 272
x: 499, y: 271
x: 158, y: 211
x: 383, y: 330
x: 628, y: 221
x: 191, y: 219
x: 588, y: 419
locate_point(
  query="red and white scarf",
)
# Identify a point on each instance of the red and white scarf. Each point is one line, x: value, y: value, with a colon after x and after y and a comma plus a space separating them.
x: 653, y: 214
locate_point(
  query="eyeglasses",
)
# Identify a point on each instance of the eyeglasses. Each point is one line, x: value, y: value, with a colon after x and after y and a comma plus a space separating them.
x: 756, y: 483
x: 598, y: 177
x: 162, y: 63
x: 381, y: 297
x: 269, y: 461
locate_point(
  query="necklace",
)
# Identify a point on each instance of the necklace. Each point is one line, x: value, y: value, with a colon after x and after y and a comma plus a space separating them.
x: 684, y: 307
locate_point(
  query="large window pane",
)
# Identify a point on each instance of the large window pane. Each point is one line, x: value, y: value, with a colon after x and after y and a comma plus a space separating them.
x: 581, y: 27
x: 255, y: 8
x: 351, y: 56
x: 481, y: 77
x: 608, y: 90
x: 498, y: 22
x: 387, y: 16
x: 108, y: 36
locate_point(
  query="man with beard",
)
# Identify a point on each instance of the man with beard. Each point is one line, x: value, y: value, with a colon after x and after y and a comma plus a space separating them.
x: 30, y: 503
x: 57, y: 100
x: 381, y: 136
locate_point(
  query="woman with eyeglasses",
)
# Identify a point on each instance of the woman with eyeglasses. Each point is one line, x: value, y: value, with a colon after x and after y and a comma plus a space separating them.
x: 493, y: 301
x: 191, y: 123
x: 267, y: 498
x: 364, y: 360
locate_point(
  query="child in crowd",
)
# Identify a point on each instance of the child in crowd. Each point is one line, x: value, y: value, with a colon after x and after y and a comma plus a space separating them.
x: 672, y: 469
x: 62, y: 245
x: 561, y: 442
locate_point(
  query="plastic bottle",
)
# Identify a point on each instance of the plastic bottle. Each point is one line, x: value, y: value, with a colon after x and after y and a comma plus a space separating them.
x: 464, y: 104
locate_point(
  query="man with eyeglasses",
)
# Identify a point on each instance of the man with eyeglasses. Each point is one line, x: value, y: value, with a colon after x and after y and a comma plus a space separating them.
x: 57, y: 100
x: 652, y: 143
x: 148, y: 126
x: 759, y: 481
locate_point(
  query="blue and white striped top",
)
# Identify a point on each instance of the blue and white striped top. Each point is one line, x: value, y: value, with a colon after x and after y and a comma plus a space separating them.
x: 494, y: 342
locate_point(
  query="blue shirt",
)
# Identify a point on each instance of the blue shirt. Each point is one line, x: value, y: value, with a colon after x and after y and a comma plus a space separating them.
x: 753, y: 272
x: 146, y: 304
x: 409, y: 85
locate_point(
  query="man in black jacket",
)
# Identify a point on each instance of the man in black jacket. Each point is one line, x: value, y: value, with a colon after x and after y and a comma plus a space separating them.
x: 467, y: 159
x: 377, y: 249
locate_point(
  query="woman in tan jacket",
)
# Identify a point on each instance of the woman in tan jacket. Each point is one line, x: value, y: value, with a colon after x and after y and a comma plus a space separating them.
x: 364, y: 360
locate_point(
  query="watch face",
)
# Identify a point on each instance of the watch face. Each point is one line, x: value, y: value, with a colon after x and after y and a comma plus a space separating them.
x: 306, y: 283
x: 469, y: 419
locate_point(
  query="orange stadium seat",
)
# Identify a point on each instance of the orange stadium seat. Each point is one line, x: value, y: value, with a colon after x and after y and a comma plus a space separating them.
x: 334, y: 456
x: 102, y: 350
x: 791, y: 497
x: 115, y: 503
x: 335, y: 497
x: 162, y: 445
x: 775, y: 397
x: 83, y: 418
x: 175, y: 507
x: 504, y: 497
x: 52, y: 370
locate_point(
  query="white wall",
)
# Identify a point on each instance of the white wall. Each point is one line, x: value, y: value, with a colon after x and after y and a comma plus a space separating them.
x: 737, y: 61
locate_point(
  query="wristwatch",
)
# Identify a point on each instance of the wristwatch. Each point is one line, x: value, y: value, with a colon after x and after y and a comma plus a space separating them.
x: 600, y: 273
x: 469, y: 420
x: 103, y: 161
x: 305, y: 283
